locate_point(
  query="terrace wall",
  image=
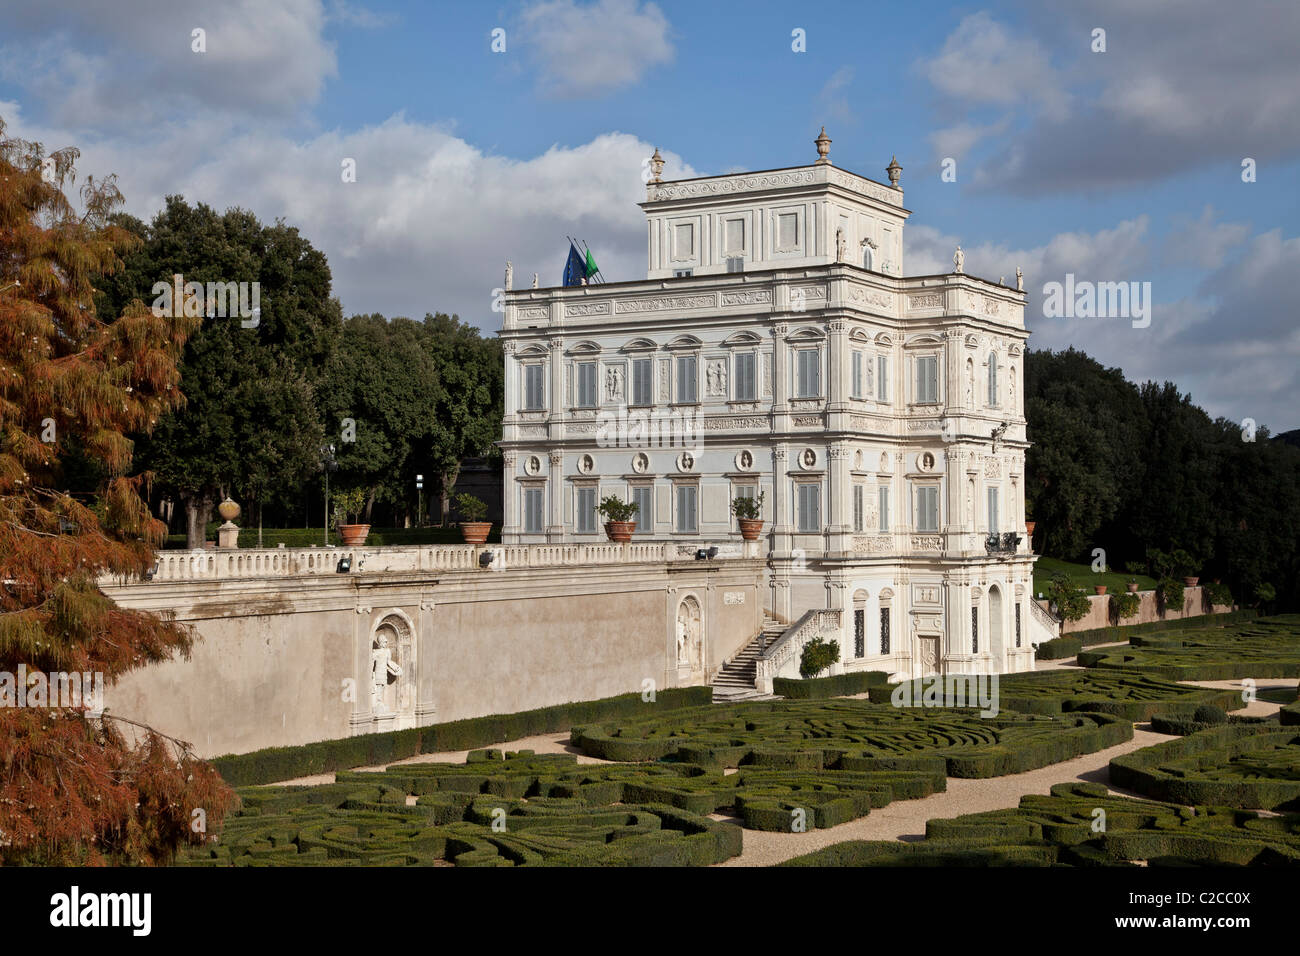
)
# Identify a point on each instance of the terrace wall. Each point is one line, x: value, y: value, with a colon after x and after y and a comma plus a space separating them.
x: 1195, y: 604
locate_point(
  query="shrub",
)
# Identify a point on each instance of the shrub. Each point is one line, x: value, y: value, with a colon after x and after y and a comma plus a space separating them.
x: 1071, y: 603
x: 1169, y: 592
x: 817, y: 656
x: 471, y: 508
x: 1219, y: 594
x: 1124, y: 605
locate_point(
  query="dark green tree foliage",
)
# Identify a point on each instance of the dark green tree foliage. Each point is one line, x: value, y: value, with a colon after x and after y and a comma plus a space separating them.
x: 251, y: 426
x: 423, y: 396
x: 1128, y: 468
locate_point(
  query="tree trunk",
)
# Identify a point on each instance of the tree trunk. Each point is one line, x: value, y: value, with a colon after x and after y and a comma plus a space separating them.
x: 370, y: 503
x: 449, y: 478
x: 198, y: 510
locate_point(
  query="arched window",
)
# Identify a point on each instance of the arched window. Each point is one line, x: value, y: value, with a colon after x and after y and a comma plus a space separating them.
x: 993, y: 379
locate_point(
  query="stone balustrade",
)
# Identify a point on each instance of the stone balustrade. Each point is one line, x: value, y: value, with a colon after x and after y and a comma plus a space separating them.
x: 781, y: 657
x: 246, y: 563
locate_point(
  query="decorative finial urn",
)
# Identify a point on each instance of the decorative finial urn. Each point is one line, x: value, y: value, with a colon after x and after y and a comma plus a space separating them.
x: 823, y: 148
x: 656, y: 167
x: 895, y: 171
x: 229, y: 509
x: 228, y: 533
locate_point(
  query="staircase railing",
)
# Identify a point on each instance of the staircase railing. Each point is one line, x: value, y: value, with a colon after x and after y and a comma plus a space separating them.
x: 814, y: 623
x: 1045, y: 618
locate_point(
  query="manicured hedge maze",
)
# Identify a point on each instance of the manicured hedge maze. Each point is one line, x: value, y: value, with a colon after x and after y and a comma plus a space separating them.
x: 518, y: 811
x: 852, y: 735
x: 1063, y: 829
x: 1264, y: 647
x: 1135, y: 697
x: 1237, y: 765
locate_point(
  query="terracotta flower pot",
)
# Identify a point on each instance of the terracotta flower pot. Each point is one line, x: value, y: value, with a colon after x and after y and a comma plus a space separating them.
x: 1099, y: 588
x: 1132, y: 587
x: 354, y: 535
x: 475, y: 532
x: 620, y: 531
x: 1190, y: 581
x: 1029, y: 528
x: 750, y: 528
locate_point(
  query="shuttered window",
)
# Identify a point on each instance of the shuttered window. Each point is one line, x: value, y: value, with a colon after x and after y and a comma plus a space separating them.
x: 745, y: 383
x: 687, y: 499
x: 587, y: 385
x: 809, y: 509
x: 533, y: 395
x: 533, y: 510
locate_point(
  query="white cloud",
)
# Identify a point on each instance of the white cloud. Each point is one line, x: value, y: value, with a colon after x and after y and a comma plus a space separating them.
x: 430, y: 220
x: 116, y: 65
x: 1203, y: 242
x: 982, y: 63
x: 834, y: 99
x: 591, y: 51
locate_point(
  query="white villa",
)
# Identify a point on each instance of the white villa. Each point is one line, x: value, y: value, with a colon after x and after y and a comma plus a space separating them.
x: 776, y: 346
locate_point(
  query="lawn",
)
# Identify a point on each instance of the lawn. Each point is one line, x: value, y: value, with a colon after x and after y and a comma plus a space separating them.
x: 1082, y: 575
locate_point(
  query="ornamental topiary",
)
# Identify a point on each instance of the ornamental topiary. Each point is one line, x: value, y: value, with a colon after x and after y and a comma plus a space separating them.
x: 817, y: 656
x: 1169, y: 592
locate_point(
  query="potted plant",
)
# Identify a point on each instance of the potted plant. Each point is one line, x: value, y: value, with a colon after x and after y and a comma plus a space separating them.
x: 473, y: 529
x: 1184, y: 564
x: 348, y: 506
x: 620, y: 518
x: 1132, y: 585
x: 1099, y: 588
x: 747, y: 511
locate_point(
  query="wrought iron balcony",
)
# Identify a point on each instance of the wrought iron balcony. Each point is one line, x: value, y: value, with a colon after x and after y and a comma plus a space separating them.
x: 1006, y: 543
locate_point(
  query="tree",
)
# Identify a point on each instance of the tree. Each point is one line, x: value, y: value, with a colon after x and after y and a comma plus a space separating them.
x: 251, y: 425
x: 72, y: 790
x: 468, y: 400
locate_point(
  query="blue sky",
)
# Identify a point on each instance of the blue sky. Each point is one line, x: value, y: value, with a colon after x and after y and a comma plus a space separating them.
x: 1122, y: 165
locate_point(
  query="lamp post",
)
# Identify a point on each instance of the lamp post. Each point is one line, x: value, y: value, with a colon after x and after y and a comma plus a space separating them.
x: 419, y: 508
x: 328, y: 464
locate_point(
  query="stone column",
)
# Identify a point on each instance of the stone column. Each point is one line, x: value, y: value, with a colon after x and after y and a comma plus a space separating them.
x: 555, y: 481
x: 837, y: 391
x: 839, y: 502
x: 509, y: 499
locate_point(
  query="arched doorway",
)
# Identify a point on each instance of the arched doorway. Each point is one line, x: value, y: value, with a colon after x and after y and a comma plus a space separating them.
x: 996, y: 645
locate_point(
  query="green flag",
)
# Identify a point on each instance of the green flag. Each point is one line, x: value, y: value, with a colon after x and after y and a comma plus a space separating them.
x: 592, y: 268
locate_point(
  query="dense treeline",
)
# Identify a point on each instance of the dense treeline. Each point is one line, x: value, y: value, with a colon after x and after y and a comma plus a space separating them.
x: 266, y: 391
x: 1126, y: 468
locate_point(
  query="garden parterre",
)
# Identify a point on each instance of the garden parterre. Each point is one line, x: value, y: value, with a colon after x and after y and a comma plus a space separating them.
x: 1080, y: 824
x: 1261, y: 648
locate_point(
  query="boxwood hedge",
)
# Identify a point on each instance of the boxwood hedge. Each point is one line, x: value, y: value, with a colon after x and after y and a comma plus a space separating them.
x: 839, y: 685
x: 1082, y: 824
x: 287, y: 763
x: 1254, y: 766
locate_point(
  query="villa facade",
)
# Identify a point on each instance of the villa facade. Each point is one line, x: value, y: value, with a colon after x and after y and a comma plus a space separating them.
x: 776, y: 347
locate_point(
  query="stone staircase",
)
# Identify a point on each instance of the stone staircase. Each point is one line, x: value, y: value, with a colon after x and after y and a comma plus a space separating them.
x: 735, y: 679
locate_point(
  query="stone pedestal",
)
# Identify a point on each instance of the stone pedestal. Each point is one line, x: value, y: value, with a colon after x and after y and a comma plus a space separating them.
x: 228, y: 535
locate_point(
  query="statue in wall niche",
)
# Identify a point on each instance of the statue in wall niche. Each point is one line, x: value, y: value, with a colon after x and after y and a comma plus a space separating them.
x: 383, y: 671
x: 613, y: 383
x: 970, y: 384
x: 841, y: 245
x: 690, y: 643
x: 717, y: 378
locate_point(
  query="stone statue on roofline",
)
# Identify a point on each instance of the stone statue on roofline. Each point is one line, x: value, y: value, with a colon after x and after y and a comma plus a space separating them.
x: 959, y: 260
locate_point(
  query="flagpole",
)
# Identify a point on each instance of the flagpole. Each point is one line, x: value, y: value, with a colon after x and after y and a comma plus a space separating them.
x: 597, y: 274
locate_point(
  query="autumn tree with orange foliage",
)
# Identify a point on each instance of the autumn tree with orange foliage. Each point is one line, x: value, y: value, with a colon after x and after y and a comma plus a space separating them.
x: 76, y: 788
